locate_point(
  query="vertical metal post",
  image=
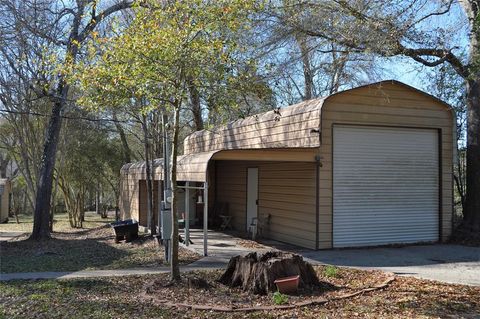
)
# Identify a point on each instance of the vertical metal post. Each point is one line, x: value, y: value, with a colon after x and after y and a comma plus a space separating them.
x: 187, y: 213
x: 167, y: 190
x: 205, y: 219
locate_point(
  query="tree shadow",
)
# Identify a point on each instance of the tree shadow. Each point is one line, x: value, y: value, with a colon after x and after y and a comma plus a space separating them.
x: 59, y: 255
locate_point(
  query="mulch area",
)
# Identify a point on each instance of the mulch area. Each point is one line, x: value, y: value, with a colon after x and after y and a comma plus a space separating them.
x: 218, y: 297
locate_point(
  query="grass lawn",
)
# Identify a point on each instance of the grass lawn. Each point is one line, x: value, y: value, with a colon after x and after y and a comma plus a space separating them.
x: 60, y: 223
x: 119, y: 298
x: 91, y: 247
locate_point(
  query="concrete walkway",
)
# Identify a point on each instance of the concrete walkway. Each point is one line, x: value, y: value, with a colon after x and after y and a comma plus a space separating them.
x: 6, y: 236
x: 102, y: 273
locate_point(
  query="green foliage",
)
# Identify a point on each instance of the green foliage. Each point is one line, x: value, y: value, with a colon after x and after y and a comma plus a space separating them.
x: 89, y: 159
x: 331, y: 271
x: 164, y: 46
x: 279, y: 298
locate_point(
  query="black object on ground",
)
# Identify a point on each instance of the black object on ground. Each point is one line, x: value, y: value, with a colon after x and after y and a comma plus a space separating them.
x: 125, y: 229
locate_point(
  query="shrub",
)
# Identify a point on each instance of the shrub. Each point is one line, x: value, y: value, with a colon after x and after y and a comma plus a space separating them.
x: 331, y: 271
x: 279, y: 298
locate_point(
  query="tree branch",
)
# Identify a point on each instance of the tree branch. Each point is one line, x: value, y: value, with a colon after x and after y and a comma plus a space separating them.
x: 96, y: 19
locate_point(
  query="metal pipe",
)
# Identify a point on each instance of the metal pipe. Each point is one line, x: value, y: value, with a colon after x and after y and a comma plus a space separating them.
x: 205, y: 221
x: 317, y: 200
x: 187, y: 214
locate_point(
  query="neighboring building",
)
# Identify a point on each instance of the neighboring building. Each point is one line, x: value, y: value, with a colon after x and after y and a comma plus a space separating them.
x: 363, y: 167
x: 5, y: 191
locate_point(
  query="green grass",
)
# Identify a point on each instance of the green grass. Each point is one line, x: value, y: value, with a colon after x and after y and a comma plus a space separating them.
x: 92, y: 247
x: 60, y: 223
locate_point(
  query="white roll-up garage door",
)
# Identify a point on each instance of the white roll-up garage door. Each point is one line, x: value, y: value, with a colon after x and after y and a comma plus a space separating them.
x: 385, y: 185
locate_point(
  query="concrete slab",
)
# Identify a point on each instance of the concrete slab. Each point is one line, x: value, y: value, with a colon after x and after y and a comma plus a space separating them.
x: 221, y: 246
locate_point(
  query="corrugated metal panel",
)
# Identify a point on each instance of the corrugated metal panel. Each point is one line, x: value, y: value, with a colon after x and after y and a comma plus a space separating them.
x: 192, y: 167
x: 385, y: 185
x: 289, y: 127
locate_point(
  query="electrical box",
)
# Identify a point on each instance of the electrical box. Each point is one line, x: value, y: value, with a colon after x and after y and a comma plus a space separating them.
x: 166, y: 222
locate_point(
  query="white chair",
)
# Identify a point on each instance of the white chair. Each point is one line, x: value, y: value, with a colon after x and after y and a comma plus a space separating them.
x: 253, y: 228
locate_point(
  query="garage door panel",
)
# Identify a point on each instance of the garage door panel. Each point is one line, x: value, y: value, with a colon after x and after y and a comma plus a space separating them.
x: 385, y: 185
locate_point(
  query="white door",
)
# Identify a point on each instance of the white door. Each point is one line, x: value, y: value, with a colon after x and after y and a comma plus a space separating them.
x: 252, y: 195
x: 385, y: 185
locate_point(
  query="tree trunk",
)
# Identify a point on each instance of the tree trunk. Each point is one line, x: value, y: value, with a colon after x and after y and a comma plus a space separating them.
x: 174, y: 267
x: 127, y: 153
x: 4, y: 160
x: 97, y: 200
x: 257, y: 273
x: 307, y: 68
x: 471, y: 213
x: 41, y: 218
x: 148, y: 169
x: 196, y: 105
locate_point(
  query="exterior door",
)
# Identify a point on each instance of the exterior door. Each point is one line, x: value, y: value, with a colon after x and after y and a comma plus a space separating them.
x: 385, y: 185
x: 252, y: 195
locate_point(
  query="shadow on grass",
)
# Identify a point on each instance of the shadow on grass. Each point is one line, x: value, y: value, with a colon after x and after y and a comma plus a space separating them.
x: 80, y: 250
x: 57, y: 255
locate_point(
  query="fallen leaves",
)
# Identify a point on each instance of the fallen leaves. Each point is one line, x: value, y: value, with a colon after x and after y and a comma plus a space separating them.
x: 119, y: 297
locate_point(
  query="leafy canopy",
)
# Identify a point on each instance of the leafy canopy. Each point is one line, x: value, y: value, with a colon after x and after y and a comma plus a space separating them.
x: 165, y: 45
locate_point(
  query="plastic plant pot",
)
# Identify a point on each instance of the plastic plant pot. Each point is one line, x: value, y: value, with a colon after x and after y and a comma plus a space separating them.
x: 288, y: 285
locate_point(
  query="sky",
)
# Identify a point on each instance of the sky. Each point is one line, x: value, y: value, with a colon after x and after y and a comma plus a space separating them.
x: 410, y: 72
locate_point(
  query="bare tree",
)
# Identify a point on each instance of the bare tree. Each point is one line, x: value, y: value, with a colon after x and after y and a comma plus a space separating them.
x: 401, y: 28
x: 66, y: 25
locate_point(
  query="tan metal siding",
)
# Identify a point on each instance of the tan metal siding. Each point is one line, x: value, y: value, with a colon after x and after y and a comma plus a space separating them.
x: 389, y: 105
x: 129, y: 196
x: 288, y: 128
x: 142, y: 215
x: 286, y: 193
x: 231, y: 177
x: 4, y: 199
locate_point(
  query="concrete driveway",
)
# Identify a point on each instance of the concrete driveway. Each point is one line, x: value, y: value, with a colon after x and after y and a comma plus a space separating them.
x: 447, y: 263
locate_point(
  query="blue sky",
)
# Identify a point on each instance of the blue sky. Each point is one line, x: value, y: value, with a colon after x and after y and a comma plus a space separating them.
x: 408, y: 71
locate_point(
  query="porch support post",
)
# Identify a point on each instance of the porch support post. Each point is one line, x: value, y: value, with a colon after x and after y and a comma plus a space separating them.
x: 205, y: 219
x: 187, y: 213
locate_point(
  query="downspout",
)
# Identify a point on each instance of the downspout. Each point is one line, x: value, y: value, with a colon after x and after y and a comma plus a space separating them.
x: 317, y: 199
x: 318, y: 164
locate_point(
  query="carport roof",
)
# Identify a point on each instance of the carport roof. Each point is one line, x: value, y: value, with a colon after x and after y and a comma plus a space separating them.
x: 192, y: 167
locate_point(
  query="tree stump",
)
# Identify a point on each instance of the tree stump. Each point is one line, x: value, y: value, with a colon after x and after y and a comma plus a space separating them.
x: 257, y: 273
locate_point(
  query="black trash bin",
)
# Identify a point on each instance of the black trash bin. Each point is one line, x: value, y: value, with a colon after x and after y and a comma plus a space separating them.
x: 125, y: 229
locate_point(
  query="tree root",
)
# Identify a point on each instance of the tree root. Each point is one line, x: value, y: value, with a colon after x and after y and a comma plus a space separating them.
x: 316, y: 301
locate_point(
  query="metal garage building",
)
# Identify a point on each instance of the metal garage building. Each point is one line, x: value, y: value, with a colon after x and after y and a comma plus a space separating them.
x: 367, y: 166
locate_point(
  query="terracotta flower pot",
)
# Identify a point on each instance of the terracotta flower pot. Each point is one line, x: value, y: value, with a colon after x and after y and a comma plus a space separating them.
x: 288, y: 285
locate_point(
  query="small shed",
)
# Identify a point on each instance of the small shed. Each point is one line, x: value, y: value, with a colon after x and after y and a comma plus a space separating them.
x: 4, y: 199
x: 364, y: 167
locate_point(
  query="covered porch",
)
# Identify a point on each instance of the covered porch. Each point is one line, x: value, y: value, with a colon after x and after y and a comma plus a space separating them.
x: 235, y: 189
